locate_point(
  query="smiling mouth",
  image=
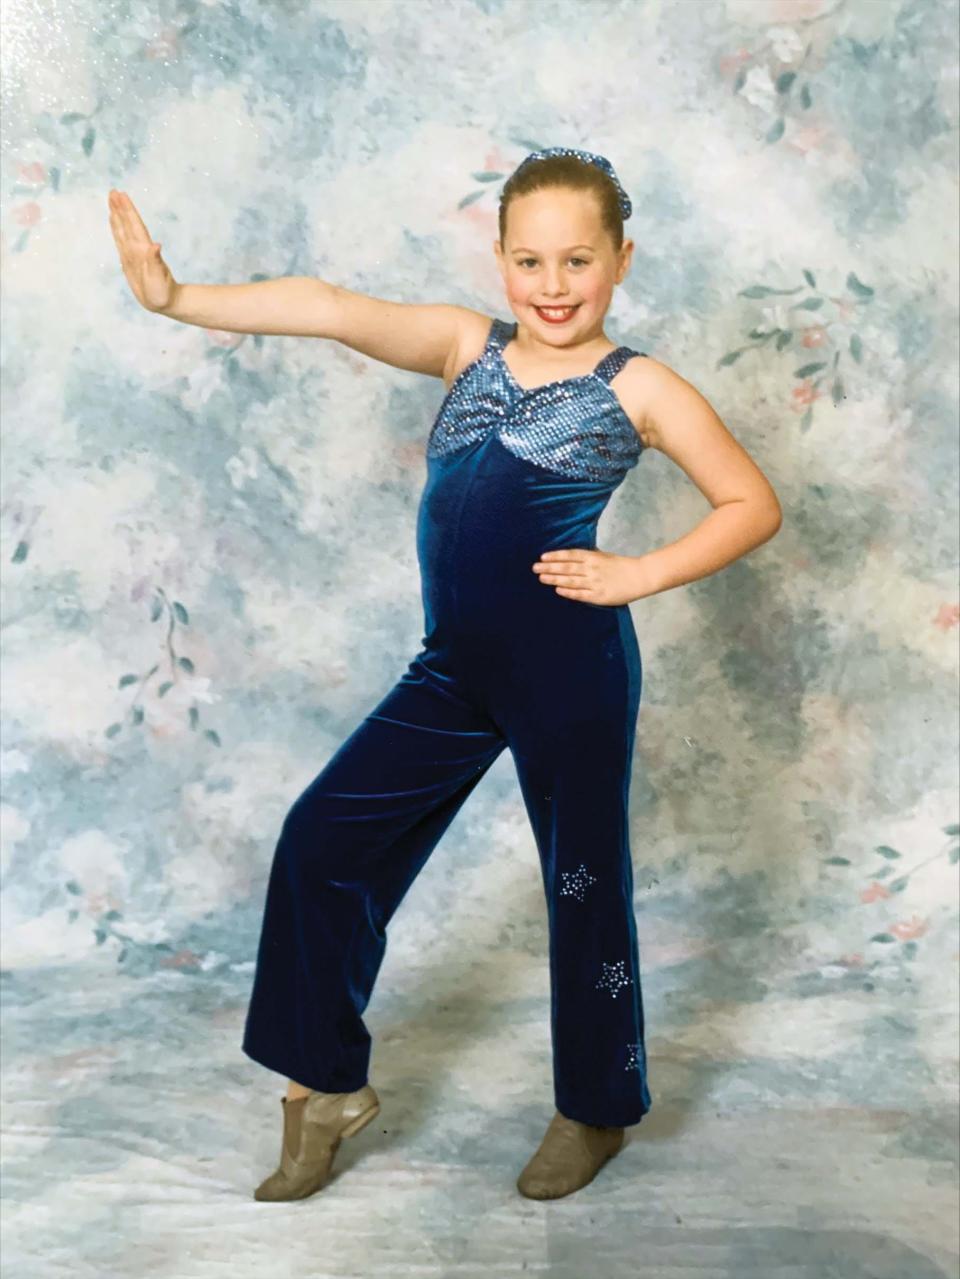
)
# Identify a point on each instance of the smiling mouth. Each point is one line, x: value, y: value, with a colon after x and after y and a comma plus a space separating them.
x: 555, y: 312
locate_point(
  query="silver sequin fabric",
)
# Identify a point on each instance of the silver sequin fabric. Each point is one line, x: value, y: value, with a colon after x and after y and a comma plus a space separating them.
x: 574, y: 426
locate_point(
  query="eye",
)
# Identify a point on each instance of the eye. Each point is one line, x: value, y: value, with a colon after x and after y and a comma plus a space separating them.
x: 523, y: 261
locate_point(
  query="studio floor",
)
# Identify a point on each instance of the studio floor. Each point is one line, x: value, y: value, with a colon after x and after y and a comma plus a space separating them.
x: 134, y: 1132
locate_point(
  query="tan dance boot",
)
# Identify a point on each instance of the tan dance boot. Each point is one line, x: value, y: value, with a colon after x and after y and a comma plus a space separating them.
x: 570, y: 1155
x: 313, y: 1127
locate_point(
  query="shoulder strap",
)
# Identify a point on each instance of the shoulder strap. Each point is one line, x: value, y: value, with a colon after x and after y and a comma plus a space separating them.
x: 500, y: 334
x: 613, y: 362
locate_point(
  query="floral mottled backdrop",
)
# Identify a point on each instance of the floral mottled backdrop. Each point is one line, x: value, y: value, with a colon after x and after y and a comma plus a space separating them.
x: 209, y: 577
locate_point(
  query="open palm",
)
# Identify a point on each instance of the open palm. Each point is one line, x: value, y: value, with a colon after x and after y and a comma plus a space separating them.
x: 147, y: 274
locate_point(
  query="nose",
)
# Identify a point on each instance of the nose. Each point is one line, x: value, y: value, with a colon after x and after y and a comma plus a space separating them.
x: 555, y: 291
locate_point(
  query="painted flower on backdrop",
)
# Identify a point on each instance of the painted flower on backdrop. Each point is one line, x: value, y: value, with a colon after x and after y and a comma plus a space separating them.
x: 27, y: 214
x: 909, y: 929
x: 874, y: 892
x: 164, y: 46
x: 787, y: 326
x: 785, y: 44
x: 814, y: 335
x: 187, y: 690
x: 758, y: 89
x: 34, y: 172
x: 225, y: 338
x: 730, y: 63
x: 772, y: 76
x: 166, y: 717
x: 184, y: 958
x: 804, y: 395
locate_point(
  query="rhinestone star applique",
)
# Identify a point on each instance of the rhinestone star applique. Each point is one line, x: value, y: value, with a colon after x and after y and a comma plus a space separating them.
x: 634, y: 1058
x: 614, y: 978
x: 574, y: 884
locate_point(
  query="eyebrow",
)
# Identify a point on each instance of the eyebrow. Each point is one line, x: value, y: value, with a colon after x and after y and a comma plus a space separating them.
x: 570, y: 250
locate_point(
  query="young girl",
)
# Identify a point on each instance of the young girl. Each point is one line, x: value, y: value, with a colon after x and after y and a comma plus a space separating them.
x: 529, y: 644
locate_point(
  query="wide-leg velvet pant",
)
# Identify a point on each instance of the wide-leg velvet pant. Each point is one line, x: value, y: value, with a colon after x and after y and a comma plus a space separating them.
x: 354, y: 841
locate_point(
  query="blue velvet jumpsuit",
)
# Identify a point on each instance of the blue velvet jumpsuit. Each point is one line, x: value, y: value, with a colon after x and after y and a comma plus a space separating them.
x: 504, y: 661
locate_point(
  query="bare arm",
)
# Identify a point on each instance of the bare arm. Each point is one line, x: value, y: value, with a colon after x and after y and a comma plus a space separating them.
x: 684, y: 425
x: 420, y: 338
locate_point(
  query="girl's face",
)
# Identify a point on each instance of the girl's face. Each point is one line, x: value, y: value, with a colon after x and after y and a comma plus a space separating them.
x: 558, y: 255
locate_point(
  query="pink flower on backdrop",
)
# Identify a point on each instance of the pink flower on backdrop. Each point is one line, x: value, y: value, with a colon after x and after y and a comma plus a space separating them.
x: 164, y: 45
x: 496, y: 161
x: 485, y: 221
x: 808, y: 138
x: 27, y: 214
x: 162, y: 730
x: 182, y: 959
x: 221, y: 337
x: 97, y: 902
x: 948, y: 615
x: 482, y: 213
x: 804, y: 394
x: 33, y: 172
x: 815, y: 335
x: 852, y: 961
x: 874, y: 892
x: 407, y: 454
x: 730, y: 63
x: 909, y: 929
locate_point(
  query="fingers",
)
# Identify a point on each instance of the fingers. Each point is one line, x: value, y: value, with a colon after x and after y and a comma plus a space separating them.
x: 137, y: 223
x: 118, y: 224
x: 572, y: 583
x: 130, y: 226
x: 565, y: 575
x: 552, y: 568
x: 118, y: 236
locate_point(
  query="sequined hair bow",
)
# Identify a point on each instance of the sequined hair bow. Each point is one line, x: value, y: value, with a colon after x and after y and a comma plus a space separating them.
x: 601, y: 161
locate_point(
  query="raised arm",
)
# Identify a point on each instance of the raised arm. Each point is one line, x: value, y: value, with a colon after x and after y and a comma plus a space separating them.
x: 420, y: 338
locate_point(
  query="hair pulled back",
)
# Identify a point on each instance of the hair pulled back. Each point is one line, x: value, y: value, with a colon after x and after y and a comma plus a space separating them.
x: 573, y: 173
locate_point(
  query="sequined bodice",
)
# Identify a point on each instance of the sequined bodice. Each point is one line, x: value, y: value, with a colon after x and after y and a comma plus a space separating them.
x: 574, y: 426
x: 511, y: 473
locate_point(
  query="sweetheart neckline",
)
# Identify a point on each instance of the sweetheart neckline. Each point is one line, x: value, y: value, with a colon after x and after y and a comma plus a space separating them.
x: 563, y: 381
x: 479, y: 361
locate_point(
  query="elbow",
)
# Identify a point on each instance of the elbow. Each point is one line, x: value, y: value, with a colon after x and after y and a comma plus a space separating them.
x: 769, y: 520
x: 772, y: 513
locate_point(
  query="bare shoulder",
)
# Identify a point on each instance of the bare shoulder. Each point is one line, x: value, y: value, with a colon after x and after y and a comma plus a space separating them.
x: 473, y: 329
x: 653, y: 395
x: 676, y: 418
x: 633, y: 386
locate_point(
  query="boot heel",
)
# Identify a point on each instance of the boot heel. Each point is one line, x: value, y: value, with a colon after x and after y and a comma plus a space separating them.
x: 311, y: 1136
x: 361, y: 1121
